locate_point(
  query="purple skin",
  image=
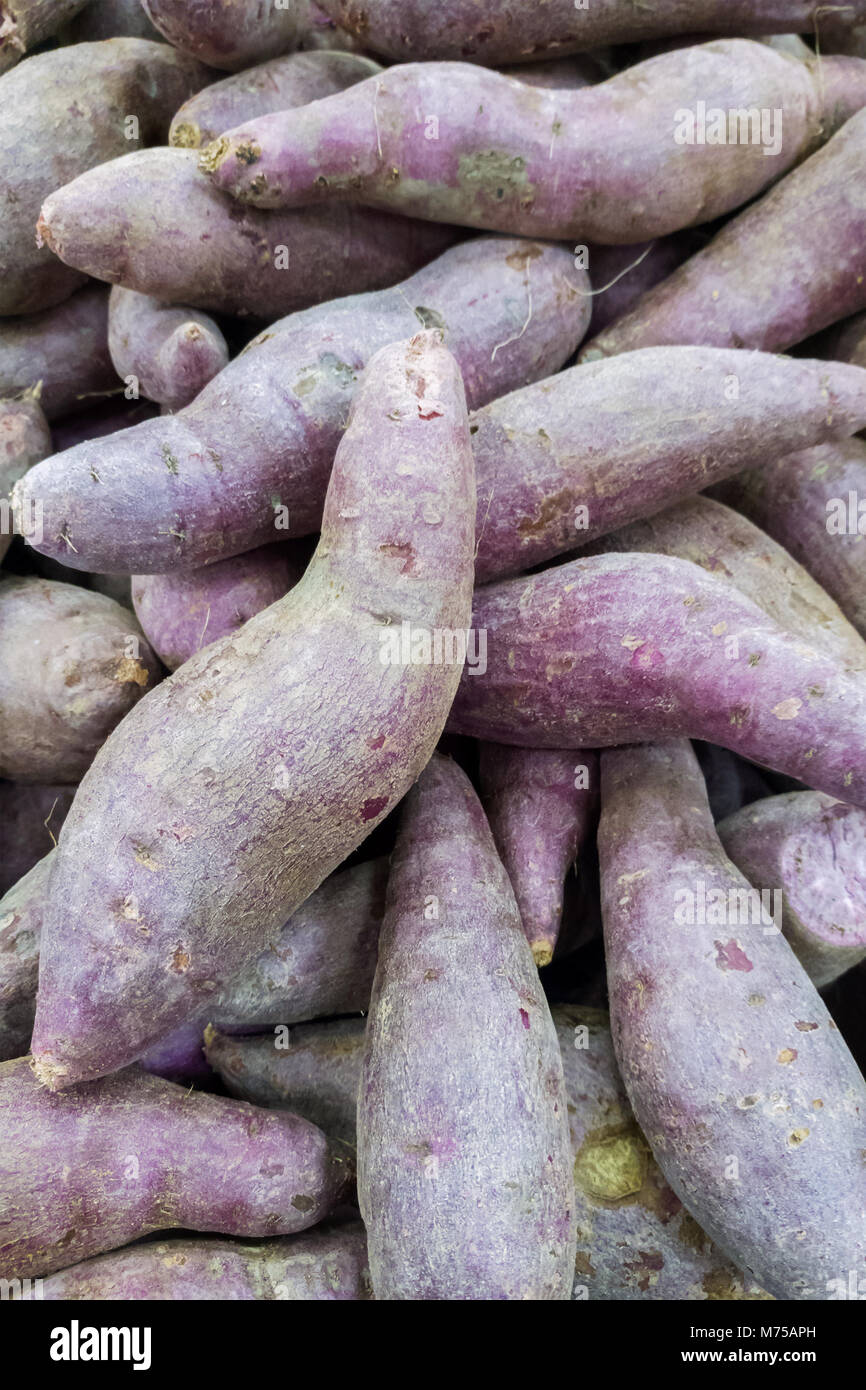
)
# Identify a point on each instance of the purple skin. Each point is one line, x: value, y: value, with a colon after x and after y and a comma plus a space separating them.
x: 621, y: 274
x: 314, y: 1071
x: 118, y: 1158
x: 575, y: 457
x: 780, y: 271
x: 223, y: 259
x: 183, y: 612
x: 267, y: 428
x: 462, y: 1086
x: 81, y: 664
x: 537, y: 162
x: 229, y: 36
x: 90, y: 91
x: 755, y: 1108
x: 618, y: 649
x: 24, y: 439
x: 206, y: 823
x: 321, y: 963
x: 20, y: 926
x: 293, y: 80
x: 724, y: 543
x: 635, y: 1239
x: 813, y: 849
x: 65, y: 348
x: 462, y: 1089
x: 541, y: 806
x: 793, y: 499
x: 31, y: 816
x: 25, y: 23
x: 329, y: 1263
x: 510, y: 31
x: 171, y: 352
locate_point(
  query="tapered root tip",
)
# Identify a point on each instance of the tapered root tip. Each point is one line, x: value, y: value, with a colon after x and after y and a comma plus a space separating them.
x: 542, y: 953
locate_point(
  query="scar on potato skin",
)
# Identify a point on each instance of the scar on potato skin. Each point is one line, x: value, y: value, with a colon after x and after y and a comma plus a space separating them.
x: 213, y: 155
x: 186, y: 135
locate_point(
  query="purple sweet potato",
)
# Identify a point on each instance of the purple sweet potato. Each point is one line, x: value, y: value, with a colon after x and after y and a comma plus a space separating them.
x: 80, y: 664
x: 293, y: 80
x: 253, y: 263
x: 171, y: 353
x: 312, y: 1070
x: 255, y: 449
x: 782, y: 270
x: 21, y: 912
x: 618, y: 649
x: 31, y: 816
x: 635, y: 1239
x: 723, y: 542
x: 329, y: 1263
x: 503, y: 31
x: 812, y: 502
x: 621, y: 274
x: 230, y: 36
x: 186, y: 610
x: 129, y: 1154
x: 65, y: 348
x: 454, y: 143
x: 812, y: 850
x: 462, y: 1089
x: 321, y: 963
x: 105, y: 98
x: 540, y: 803
x: 264, y: 761
x: 755, y: 1108
x: 24, y: 439
x: 575, y: 457
x: 25, y: 23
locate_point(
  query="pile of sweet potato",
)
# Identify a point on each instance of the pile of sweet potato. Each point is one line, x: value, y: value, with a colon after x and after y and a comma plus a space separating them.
x: 418, y: 422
